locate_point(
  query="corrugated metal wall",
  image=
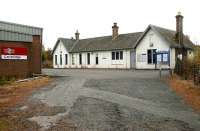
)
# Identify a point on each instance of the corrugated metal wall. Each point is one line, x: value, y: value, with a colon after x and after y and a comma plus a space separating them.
x: 6, y: 26
x: 17, y: 32
x: 10, y: 36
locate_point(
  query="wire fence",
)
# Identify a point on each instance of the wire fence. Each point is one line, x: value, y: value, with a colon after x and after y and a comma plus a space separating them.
x: 188, y: 71
x: 196, y: 74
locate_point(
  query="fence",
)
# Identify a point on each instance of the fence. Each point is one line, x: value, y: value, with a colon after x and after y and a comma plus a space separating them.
x: 188, y: 71
x: 196, y: 73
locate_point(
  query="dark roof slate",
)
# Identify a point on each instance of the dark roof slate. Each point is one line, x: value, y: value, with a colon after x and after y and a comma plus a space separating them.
x: 68, y: 43
x: 169, y: 36
x: 123, y: 41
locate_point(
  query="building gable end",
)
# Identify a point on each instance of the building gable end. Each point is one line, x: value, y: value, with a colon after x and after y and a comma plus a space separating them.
x: 150, y: 27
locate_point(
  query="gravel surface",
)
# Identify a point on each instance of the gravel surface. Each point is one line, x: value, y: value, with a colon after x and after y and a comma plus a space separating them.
x: 141, y: 89
x: 102, y: 100
x: 91, y: 114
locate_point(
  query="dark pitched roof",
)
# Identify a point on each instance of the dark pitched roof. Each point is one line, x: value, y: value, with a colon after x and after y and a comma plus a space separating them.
x: 169, y: 36
x: 123, y: 41
x: 68, y: 43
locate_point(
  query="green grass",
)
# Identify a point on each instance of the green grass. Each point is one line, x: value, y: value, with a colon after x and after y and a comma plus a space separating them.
x: 3, y: 82
x: 4, y: 125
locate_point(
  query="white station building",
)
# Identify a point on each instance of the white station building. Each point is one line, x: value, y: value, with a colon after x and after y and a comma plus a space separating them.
x: 139, y: 50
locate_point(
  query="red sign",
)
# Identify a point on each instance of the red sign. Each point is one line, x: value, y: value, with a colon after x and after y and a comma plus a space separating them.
x: 14, y: 53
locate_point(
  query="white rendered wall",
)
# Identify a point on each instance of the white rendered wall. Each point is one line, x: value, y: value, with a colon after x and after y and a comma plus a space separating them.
x: 105, y: 60
x: 172, y: 58
x: 60, y: 50
x: 159, y: 44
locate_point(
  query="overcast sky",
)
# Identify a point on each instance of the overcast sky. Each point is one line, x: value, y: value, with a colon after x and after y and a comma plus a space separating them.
x: 93, y: 18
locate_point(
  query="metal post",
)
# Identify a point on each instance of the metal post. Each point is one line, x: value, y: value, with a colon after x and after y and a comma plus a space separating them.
x: 160, y: 70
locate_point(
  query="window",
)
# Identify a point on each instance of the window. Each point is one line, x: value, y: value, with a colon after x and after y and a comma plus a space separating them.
x: 88, y: 58
x: 72, y: 59
x: 56, y: 61
x: 97, y: 59
x: 151, y: 54
x: 66, y: 59
x: 60, y: 59
x: 113, y: 55
x: 117, y: 55
x: 80, y: 59
x: 154, y: 56
x: 121, y: 55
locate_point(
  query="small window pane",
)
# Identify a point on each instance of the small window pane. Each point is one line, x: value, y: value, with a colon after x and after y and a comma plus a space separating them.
x: 149, y: 56
x: 154, y: 56
x: 60, y: 59
x: 66, y: 59
x: 117, y: 55
x: 113, y: 55
x: 80, y: 59
x: 97, y: 59
x: 121, y: 55
x: 88, y: 58
x: 56, y: 61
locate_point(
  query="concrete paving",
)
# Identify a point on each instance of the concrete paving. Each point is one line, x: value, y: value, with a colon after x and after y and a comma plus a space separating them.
x: 115, y: 100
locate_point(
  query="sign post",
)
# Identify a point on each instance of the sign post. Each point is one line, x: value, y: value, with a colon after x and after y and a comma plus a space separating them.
x: 162, y: 59
x: 160, y: 69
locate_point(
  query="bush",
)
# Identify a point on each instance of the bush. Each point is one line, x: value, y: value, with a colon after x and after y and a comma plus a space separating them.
x: 6, y: 79
x: 186, y: 70
x: 3, y: 82
x: 197, y: 55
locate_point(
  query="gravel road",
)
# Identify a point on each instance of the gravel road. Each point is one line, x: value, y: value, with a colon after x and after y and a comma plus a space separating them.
x: 112, y: 100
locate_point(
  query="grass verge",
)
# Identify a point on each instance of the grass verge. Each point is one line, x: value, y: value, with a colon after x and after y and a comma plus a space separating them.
x: 186, y: 89
x: 3, y: 82
x: 15, y: 93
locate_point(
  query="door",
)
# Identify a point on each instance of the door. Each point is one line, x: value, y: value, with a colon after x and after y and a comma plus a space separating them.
x: 97, y: 59
x: 133, y: 59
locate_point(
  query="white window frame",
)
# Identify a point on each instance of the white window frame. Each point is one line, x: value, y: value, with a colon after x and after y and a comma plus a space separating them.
x: 120, y: 55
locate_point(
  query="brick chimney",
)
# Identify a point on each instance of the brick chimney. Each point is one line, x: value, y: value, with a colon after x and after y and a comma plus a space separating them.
x: 77, y: 35
x: 179, y: 28
x: 115, y: 31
